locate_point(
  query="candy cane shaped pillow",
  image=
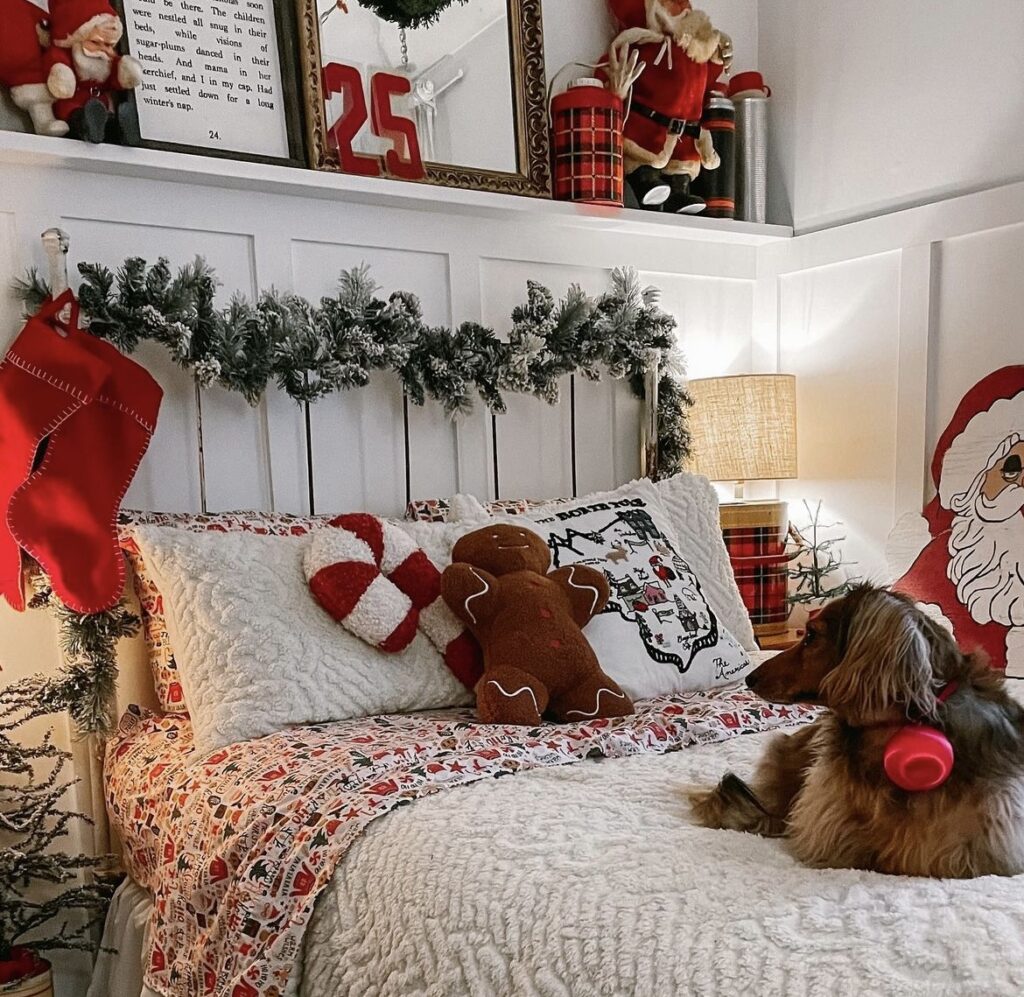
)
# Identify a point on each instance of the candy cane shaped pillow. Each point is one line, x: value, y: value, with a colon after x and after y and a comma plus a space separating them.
x: 373, y: 579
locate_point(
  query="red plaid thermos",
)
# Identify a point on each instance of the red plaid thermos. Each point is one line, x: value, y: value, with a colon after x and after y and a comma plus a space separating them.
x: 586, y: 144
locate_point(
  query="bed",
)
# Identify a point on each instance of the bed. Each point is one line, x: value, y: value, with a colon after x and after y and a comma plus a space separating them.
x: 582, y: 874
x: 426, y: 853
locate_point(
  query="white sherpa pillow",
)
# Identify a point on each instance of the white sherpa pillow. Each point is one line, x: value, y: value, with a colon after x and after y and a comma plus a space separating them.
x: 256, y: 652
x: 692, y: 506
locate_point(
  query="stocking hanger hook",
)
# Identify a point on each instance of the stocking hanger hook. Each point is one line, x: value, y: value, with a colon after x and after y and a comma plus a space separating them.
x: 56, y: 243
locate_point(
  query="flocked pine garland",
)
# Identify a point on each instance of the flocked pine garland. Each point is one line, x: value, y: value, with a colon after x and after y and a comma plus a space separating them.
x: 311, y: 350
x: 85, y: 684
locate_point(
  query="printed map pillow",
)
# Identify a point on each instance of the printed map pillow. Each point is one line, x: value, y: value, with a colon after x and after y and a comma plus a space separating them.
x: 658, y: 633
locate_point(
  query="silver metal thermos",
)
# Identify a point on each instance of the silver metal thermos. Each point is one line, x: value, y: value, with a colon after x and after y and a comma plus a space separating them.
x: 752, y: 159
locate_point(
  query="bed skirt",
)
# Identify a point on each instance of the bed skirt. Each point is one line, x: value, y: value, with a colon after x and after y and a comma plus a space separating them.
x: 118, y: 969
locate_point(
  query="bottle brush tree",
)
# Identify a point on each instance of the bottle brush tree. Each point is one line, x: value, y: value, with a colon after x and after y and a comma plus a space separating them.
x: 815, y: 560
x: 50, y: 898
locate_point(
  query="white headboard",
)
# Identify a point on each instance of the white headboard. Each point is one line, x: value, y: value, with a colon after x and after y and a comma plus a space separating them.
x: 466, y: 255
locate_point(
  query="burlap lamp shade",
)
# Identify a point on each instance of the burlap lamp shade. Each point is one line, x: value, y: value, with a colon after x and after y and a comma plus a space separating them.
x: 744, y: 427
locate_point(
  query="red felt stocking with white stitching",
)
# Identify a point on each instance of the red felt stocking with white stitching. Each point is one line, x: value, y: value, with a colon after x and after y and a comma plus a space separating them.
x: 65, y: 514
x: 46, y: 376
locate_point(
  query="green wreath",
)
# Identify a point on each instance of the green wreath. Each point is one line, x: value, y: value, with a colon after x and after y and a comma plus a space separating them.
x: 409, y: 13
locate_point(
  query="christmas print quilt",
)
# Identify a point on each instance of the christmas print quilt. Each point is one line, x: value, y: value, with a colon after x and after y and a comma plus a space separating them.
x: 236, y: 846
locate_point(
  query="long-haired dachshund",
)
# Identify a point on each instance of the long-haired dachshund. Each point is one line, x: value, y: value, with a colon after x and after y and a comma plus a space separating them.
x: 877, y: 662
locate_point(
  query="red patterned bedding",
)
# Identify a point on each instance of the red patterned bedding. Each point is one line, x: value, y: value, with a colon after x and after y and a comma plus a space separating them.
x: 236, y: 846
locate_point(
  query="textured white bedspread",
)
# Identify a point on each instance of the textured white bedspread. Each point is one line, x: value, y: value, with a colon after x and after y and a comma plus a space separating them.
x: 590, y: 879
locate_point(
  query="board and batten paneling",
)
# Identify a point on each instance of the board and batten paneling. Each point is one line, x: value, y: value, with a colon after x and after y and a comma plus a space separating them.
x: 463, y: 267
x: 538, y: 452
x: 978, y: 317
x: 887, y: 322
x: 229, y: 425
x: 839, y: 333
x: 359, y: 436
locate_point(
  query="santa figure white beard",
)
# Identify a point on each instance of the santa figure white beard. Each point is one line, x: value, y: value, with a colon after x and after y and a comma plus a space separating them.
x: 90, y: 67
x: 986, y: 545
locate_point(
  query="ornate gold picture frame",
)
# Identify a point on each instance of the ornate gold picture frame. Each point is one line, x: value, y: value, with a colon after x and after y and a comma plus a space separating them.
x: 532, y: 176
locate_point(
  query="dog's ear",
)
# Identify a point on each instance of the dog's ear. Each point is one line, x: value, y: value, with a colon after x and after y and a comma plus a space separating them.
x: 887, y: 665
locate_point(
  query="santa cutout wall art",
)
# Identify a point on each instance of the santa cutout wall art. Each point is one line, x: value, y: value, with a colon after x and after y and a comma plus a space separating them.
x: 963, y: 559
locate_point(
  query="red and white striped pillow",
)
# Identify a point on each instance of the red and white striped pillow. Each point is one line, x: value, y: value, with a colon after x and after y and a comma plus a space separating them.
x: 371, y: 577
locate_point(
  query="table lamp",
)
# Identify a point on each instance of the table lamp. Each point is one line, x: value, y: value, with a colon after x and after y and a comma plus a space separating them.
x: 744, y: 429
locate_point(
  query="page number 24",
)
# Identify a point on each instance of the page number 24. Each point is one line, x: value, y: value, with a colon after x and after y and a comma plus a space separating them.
x: 403, y: 159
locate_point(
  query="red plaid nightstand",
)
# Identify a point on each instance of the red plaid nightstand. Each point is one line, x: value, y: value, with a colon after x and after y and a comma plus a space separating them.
x: 755, y: 537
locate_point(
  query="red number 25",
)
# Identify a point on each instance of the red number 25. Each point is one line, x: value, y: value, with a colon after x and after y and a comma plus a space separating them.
x: 403, y: 159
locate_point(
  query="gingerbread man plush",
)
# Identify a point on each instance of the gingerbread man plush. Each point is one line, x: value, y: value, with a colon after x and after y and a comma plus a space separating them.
x: 529, y: 621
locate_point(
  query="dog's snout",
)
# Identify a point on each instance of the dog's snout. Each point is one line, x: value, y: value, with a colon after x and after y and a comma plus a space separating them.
x: 752, y: 680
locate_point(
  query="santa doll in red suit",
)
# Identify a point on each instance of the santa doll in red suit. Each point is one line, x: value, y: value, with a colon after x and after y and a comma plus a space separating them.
x: 85, y: 70
x: 23, y: 42
x: 966, y: 553
x: 682, y: 55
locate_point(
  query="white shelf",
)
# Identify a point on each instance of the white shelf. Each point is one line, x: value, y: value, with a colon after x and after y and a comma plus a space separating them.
x: 42, y: 153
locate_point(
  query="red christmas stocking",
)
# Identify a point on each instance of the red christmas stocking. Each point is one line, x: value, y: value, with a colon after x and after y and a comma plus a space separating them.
x: 45, y: 378
x: 65, y: 514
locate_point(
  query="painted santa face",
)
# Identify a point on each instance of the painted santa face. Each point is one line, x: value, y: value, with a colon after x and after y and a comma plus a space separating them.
x: 986, y: 540
x: 1004, y: 484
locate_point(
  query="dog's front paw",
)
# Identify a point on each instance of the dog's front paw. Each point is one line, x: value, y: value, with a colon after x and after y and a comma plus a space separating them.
x: 708, y: 807
x: 732, y: 805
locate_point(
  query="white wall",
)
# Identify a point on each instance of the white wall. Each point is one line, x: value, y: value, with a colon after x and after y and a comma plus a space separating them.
x: 887, y: 323
x: 883, y: 104
x: 979, y: 309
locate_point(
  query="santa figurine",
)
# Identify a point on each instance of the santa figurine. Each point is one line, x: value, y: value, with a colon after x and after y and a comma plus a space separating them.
x: 86, y: 69
x: 23, y: 42
x: 663, y: 63
x: 964, y: 558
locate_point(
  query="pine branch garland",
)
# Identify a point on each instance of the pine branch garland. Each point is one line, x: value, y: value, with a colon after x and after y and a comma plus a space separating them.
x: 85, y: 684
x: 311, y: 350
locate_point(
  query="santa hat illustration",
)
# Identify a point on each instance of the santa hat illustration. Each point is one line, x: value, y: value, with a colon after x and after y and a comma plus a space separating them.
x: 68, y: 17
x: 986, y: 415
